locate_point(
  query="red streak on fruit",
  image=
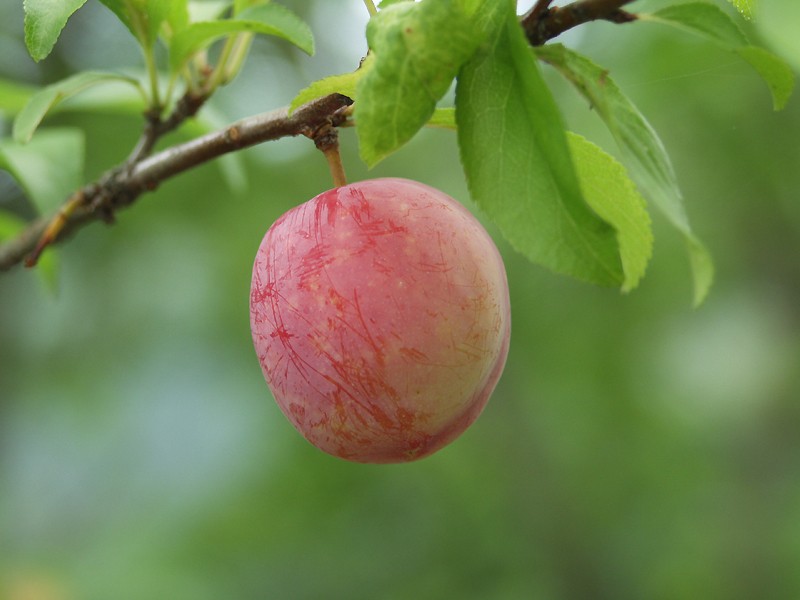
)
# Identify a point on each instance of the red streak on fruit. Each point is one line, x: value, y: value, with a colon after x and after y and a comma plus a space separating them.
x: 381, y: 319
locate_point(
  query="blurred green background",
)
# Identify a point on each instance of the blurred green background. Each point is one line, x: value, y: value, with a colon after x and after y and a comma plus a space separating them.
x: 634, y: 448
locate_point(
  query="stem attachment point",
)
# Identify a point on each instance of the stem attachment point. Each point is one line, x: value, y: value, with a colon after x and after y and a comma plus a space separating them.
x: 326, y: 138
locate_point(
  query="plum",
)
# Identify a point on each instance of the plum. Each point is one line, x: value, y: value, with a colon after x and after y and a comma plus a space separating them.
x: 380, y: 315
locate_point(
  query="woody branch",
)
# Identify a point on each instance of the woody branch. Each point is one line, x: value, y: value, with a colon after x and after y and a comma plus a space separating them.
x: 121, y: 186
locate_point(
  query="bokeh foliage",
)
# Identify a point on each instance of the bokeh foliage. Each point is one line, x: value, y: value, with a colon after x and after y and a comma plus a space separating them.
x: 635, y: 448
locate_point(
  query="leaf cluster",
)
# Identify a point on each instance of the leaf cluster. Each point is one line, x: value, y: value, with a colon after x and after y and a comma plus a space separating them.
x: 560, y: 200
x: 186, y: 29
x: 548, y: 191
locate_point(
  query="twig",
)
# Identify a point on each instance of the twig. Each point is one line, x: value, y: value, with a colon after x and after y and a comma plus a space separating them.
x: 326, y: 139
x: 540, y: 7
x: 156, y: 128
x: 121, y: 186
x: 328, y: 143
x: 56, y: 225
x: 543, y: 23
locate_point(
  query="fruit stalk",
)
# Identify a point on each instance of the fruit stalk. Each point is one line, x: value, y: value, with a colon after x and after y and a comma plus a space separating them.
x: 327, y: 141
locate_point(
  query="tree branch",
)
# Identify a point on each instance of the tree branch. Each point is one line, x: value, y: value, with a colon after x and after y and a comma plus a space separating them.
x: 543, y: 23
x: 157, y: 127
x: 142, y: 172
x: 540, y: 7
x: 121, y: 186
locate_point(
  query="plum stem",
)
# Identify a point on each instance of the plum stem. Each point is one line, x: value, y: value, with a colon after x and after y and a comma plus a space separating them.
x: 326, y: 138
x: 336, y: 166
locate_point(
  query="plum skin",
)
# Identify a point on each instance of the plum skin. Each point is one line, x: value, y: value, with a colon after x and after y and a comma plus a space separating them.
x: 380, y: 315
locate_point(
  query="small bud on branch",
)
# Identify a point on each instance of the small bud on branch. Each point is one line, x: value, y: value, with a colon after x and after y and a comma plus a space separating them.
x: 543, y: 23
x: 121, y: 186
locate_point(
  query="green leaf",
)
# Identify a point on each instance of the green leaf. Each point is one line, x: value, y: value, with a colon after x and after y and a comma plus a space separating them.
x: 642, y: 150
x: 344, y: 84
x: 47, y: 98
x: 268, y: 19
x: 157, y: 12
x: 240, y: 6
x: 14, y: 96
x: 211, y: 10
x: 701, y: 18
x: 177, y: 18
x: 773, y: 70
x: 44, y: 20
x: 517, y: 161
x: 111, y: 98
x: 702, y: 268
x: 712, y: 23
x: 444, y: 118
x: 143, y: 18
x: 746, y: 7
x: 611, y: 193
x: 411, y: 65
x: 47, y: 266
x: 49, y: 168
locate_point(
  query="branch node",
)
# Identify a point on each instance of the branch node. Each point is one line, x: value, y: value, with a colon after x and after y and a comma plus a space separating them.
x: 55, y: 226
x: 120, y: 186
x: 544, y: 22
x: 326, y: 139
x: 233, y: 135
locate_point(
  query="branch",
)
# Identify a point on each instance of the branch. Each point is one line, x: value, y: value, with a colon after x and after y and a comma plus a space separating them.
x: 543, y: 23
x: 121, y: 186
x: 142, y: 172
x: 157, y: 127
x: 538, y: 9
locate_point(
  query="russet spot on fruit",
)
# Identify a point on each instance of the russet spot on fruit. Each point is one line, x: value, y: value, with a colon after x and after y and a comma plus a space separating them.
x: 380, y: 316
